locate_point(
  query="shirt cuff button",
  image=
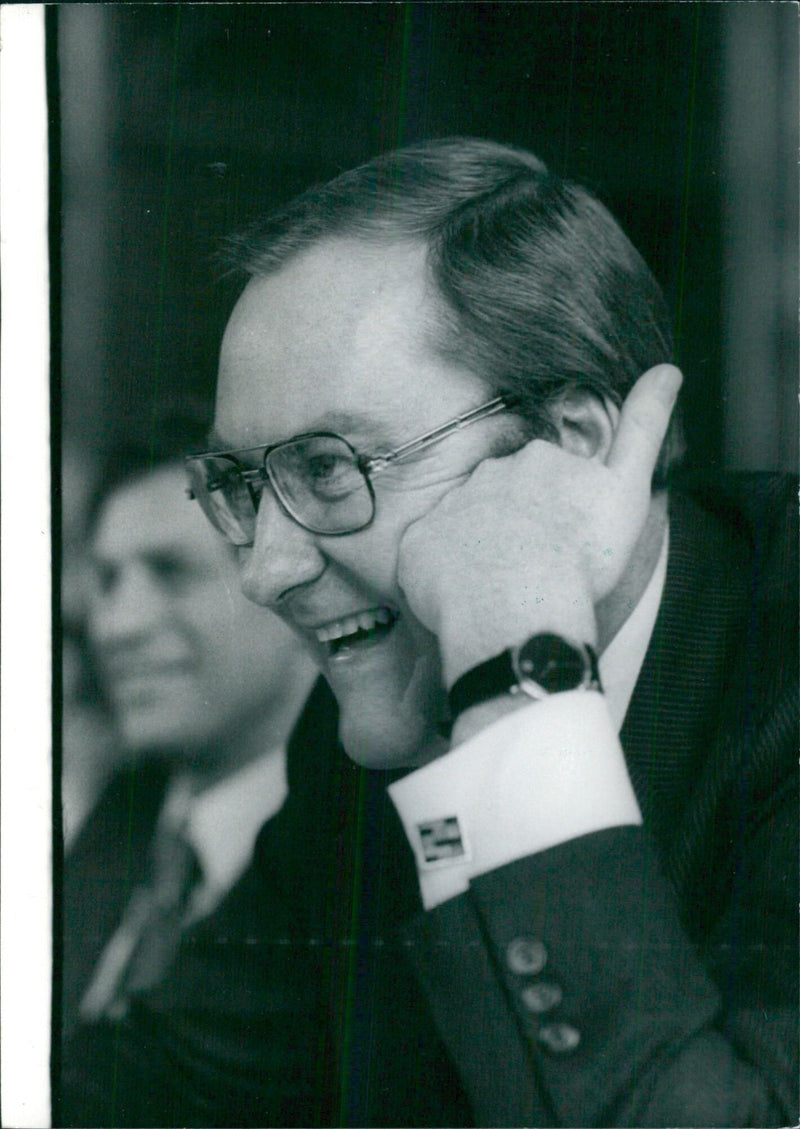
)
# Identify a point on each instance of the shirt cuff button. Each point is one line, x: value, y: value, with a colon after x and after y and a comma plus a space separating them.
x: 526, y: 956
x: 560, y: 1038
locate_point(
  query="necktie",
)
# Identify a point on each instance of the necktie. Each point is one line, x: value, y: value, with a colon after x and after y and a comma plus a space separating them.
x: 144, y: 946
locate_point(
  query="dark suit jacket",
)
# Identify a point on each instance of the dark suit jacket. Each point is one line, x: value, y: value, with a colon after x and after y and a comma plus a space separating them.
x: 107, y: 861
x: 231, y: 1037
x: 674, y: 946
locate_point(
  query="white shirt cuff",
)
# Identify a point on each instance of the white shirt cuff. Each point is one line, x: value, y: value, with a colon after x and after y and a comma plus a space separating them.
x: 537, y: 777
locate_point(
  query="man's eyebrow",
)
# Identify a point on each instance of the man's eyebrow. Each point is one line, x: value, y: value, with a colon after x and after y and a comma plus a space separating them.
x: 354, y: 423
x: 215, y: 444
x: 214, y: 441
x: 361, y: 424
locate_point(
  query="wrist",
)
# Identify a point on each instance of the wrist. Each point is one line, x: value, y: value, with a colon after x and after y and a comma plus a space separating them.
x: 464, y: 643
x: 540, y: 667
x: 480, y: 716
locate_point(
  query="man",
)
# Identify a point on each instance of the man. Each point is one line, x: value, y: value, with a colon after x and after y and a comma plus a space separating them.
x: 207, y: 692
x: 87, y: 740
x: 443, y: 435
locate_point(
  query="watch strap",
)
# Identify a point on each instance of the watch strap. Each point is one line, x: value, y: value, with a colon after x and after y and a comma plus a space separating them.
x: 499, y: 675
x: 487, y: 680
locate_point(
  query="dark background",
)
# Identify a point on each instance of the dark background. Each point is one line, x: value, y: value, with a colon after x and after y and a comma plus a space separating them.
x: 178, y: 122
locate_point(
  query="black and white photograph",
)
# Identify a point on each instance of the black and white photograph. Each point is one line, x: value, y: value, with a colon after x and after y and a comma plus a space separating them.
x: 419, y: 387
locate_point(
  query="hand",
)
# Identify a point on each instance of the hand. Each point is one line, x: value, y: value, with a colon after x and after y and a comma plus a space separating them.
x: 535, y: 540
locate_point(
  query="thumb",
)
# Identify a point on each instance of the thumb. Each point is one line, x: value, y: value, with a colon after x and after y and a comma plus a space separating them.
x: 643, y: 422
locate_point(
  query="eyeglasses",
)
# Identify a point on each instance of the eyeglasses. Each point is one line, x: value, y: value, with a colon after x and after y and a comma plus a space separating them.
x: 319, y: 479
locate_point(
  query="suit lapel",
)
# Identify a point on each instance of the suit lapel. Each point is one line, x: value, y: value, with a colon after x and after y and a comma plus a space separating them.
x: 106, y: 863
x: 678, y: 697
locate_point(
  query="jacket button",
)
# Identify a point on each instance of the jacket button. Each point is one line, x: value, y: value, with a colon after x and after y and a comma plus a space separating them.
x: 560, y: 1038
x: 542, y: 996
x: 526, y: 956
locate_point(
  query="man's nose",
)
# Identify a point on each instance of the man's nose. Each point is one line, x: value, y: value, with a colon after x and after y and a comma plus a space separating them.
x: 283, y: 556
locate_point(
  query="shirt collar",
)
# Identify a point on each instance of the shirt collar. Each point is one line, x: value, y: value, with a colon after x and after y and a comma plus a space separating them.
x: 223, y: 821
x: 621, y: 661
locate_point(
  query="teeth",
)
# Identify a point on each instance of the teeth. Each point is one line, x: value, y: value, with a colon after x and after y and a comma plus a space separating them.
x: 347, y: 626
x: 364, y: 621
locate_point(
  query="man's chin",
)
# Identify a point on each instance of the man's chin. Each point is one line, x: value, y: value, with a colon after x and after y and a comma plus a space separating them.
x: 391, y: 702
x: 385, y: 744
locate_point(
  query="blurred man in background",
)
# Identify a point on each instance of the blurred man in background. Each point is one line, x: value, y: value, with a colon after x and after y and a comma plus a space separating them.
x: 88, y: 745
x: 205, y: 692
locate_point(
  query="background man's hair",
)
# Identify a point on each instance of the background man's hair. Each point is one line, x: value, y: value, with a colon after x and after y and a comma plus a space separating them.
x: 178, y: 428
x: 540, y: 289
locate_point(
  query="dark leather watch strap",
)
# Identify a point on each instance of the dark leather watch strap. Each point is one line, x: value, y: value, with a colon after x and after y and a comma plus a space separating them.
x: 489, y: 679
x: 543, y: 665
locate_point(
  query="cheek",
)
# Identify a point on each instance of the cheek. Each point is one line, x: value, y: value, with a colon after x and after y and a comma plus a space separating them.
x: 399, y: 504
x: 371, y: 556
x: 226, y: 680
x: 263, y: 647
x: 213, y: 624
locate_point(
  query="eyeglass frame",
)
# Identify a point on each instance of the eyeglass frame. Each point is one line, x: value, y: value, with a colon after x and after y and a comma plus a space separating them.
x: 368, y: 465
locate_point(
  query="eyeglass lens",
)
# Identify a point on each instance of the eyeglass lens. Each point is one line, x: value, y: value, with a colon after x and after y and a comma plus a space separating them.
x: 224, y: 497
x: 320, y: 483
x: 317, y: 479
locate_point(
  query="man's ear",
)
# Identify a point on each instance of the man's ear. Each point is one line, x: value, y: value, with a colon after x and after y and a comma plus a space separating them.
x: 585, y: 423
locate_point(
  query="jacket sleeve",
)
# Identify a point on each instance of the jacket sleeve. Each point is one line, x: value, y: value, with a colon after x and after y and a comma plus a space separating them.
x: 602, y: 983
x: 593, y: 1006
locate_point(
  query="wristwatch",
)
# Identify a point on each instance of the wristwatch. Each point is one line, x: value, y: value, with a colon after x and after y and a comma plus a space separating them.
x: 541, y: 666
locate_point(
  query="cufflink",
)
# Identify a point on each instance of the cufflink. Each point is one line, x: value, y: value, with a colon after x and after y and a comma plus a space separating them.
x: 441, y: 841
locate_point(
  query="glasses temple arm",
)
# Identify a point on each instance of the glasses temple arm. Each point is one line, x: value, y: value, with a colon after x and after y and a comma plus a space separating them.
x: 378, y: 462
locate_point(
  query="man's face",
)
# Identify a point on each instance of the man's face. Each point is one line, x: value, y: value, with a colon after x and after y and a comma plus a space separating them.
x: 187, y: 663
x: 339, y: 340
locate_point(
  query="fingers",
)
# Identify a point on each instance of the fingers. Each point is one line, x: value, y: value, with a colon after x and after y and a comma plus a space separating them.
x: 643, y: 422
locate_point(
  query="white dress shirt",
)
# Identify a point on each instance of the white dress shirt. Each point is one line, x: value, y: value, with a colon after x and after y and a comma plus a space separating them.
x: 223, y: 821
x: 541, y: 775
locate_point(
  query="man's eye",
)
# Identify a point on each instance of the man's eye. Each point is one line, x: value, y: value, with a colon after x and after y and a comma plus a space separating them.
x: 172, y: 574
x: 104, y: 577
x: 331, y: 475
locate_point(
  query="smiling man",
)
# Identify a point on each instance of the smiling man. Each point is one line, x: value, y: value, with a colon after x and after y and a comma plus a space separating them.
x: 443, y: 436
x: 191, y: 674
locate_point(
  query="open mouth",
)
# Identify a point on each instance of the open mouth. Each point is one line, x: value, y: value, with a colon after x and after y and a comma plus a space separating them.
x: 362, y: 629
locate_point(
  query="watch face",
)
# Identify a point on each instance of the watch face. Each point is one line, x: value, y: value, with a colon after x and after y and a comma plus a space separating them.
x: 552, y: 663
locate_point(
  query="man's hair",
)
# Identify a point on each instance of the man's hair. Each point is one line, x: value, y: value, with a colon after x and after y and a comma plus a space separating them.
x: 541, y: 291
x: 178, y: 428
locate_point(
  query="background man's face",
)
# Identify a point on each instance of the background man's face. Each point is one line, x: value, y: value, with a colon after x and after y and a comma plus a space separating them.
x: 338, y: 340
x: 186, y: 661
